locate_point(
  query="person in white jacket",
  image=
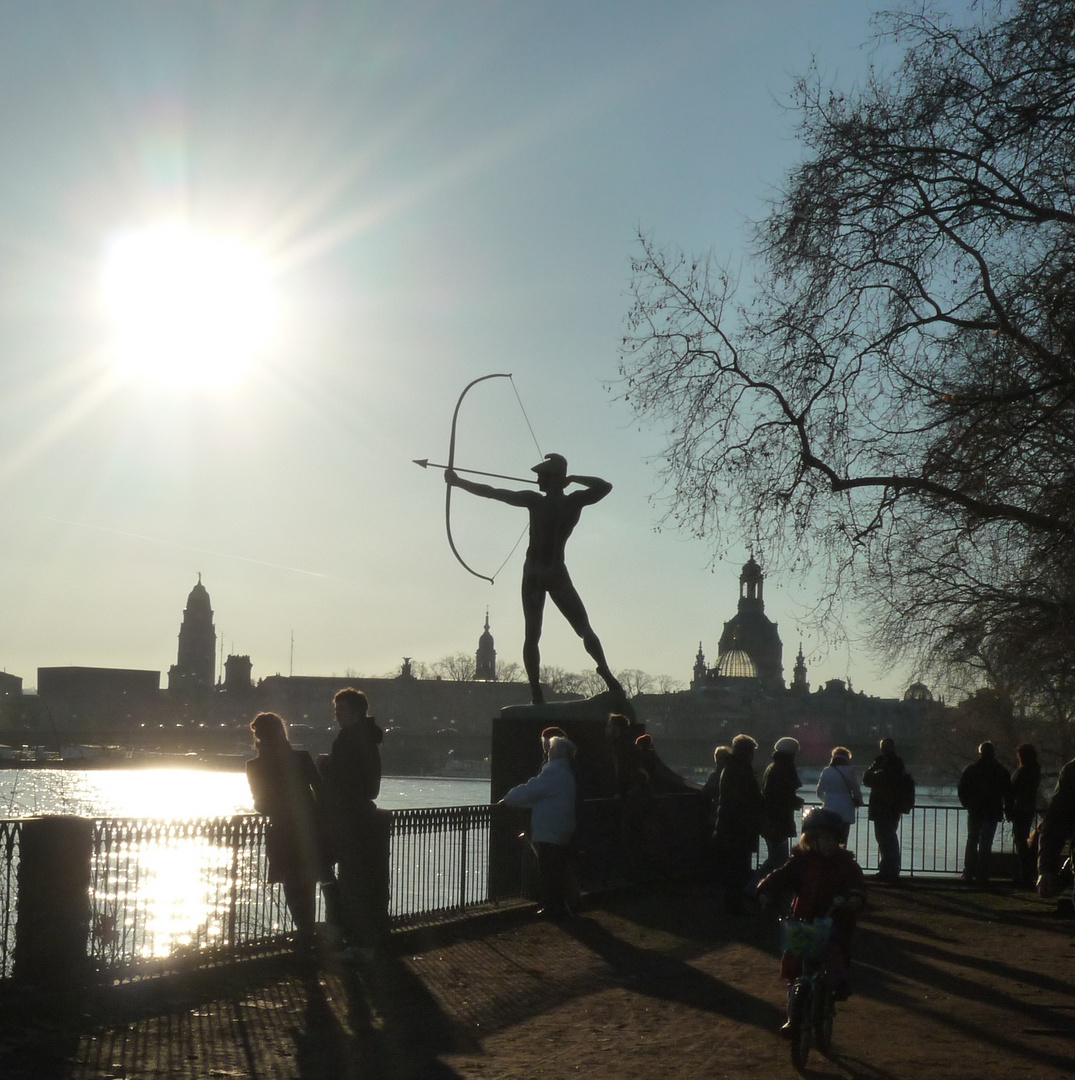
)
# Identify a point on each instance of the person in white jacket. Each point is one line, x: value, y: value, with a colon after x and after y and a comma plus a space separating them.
x: 838, y: 789
x: 551, y: 798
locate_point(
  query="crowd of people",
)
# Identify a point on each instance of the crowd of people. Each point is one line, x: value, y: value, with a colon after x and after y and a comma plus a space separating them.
x: 323, y: 828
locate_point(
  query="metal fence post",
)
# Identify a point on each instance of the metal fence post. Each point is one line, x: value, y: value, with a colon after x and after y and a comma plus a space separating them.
x: 464, y: 840
x: 52, y: 930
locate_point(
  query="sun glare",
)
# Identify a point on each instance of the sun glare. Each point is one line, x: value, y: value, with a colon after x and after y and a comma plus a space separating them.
x: 187, y: 309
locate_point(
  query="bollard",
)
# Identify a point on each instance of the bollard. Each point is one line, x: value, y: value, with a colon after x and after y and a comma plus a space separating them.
x: 52, y: 929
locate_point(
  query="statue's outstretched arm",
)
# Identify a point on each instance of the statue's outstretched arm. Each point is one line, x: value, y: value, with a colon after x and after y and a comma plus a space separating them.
x: 487, y: 491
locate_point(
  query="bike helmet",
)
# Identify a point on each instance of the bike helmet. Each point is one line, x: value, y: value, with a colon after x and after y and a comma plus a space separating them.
x: 819, y: 818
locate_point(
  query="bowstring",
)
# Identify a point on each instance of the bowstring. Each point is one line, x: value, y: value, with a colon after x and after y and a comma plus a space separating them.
x: 530, y: 428
x: 522, y: 408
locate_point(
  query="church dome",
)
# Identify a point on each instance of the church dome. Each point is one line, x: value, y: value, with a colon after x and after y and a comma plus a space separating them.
x: 918, y: 692
x: 735, y: 664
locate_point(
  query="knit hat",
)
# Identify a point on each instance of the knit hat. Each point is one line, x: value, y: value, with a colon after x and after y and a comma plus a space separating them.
x: 786, y: 745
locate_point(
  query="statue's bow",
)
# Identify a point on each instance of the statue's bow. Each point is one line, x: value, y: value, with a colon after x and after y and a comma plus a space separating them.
x: 451, y: 465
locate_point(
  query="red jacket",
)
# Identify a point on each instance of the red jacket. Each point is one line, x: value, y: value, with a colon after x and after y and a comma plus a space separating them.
x: 816, y: 881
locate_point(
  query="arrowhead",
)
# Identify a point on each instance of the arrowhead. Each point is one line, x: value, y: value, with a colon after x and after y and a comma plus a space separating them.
x: 424, y: 462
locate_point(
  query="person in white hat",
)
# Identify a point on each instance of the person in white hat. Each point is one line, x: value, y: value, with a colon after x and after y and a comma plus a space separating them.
x: 779, y: 791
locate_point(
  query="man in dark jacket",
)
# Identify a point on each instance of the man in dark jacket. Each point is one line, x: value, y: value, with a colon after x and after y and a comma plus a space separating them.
x: 356, y: 836
x: 984, y: 789
x: 884, y: 778
x: 1057, y: 829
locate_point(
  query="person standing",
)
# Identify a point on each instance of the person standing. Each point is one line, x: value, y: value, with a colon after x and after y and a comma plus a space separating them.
x: 1057, y: 829
x: 885, y: 779
x: 739, y: 812
x: 551, y: 798
x: 358, y: 843
x: 285, y: 785
x: 838, y: 789
x: 779, y: 791
x: 984, y: 789
x: 1022, y: 806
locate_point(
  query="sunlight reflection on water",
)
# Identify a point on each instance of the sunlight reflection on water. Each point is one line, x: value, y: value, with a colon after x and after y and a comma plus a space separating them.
x: 159, y: 890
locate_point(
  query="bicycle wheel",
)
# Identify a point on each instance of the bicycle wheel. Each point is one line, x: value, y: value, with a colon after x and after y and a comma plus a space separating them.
x: 824, y: 1015
x: 799, y: 1020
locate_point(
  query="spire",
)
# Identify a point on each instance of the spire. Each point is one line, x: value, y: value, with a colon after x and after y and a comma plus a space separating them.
x: 485, y: 658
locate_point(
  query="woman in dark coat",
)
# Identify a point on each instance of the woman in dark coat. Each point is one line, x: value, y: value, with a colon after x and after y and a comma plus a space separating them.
x: 1023, y: 806
x: 779, y: 790
x: 285, y: 784
x: 739, y: 812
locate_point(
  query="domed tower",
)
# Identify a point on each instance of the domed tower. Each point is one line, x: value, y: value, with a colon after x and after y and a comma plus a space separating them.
x: 751, y: 632
x: 195, y: 666
x: 485, y: 660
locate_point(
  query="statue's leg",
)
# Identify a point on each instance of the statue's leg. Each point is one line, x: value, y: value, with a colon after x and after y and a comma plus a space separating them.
x: 533, y: 614
x: 565, y: 596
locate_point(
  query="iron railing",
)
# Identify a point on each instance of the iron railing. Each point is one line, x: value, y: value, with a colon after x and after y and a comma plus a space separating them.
x: 439, y: 862
x: 165, y: 892
x: 932, y: 841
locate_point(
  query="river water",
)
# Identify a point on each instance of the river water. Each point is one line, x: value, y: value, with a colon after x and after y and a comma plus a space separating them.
x: 189, y: 793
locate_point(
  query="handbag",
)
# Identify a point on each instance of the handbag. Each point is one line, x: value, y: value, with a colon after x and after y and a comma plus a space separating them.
x: 855, y: 799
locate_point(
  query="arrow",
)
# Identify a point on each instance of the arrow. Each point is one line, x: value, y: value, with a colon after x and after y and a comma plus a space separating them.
x: 427, y: 464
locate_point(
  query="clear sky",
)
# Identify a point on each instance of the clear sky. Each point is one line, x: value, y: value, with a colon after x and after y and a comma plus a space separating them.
x: 441, y: 190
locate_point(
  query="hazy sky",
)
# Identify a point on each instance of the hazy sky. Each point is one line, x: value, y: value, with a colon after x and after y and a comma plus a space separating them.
x: 443, y: 190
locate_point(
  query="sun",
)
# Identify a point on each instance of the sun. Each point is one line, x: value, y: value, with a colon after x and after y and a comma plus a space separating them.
x: 187, y: 309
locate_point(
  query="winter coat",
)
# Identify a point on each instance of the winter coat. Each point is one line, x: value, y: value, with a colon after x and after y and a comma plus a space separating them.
x: 352, y: 774
x: 286, y: 786
x: 883, y: 779
x: 839, y: 791
x: 1024, y: 791
x: 551, y: 798
x: 739, y: 805
x: 1058, y: 825
x: 779, y: 786
x: 985, y: 787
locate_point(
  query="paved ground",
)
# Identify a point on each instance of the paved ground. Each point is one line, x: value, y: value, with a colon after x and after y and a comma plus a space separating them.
x: 949, y: 983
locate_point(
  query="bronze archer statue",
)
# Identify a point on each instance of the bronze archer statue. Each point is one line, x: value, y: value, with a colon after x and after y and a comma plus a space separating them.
x: 554, y: 513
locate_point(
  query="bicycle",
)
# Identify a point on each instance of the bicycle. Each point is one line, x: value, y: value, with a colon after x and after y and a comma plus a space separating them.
x: 812, y: 1005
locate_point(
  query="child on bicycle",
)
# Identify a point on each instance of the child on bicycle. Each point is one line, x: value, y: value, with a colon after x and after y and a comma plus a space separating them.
x: 826, y: 881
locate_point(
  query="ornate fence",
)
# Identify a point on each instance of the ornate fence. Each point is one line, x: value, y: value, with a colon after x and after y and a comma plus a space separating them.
x: 165, y: 894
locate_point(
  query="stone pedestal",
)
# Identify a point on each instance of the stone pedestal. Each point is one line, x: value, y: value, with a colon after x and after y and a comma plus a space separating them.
x: 516, y: 755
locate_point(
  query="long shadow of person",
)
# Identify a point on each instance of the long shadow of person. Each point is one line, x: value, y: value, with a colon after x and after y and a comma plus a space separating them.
x: 672, y: 979
x: 400, y: 1031
x: 322, y: 1043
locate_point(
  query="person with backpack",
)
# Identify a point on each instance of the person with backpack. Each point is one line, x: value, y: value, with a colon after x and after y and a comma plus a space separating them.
x: 886, y: 778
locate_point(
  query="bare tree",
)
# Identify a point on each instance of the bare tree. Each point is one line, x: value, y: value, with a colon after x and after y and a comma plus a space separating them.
x: 665, y: 684
x: 895, y: 403
x: 634, y: 682
x: 510, y: 671
x: 461, y: 667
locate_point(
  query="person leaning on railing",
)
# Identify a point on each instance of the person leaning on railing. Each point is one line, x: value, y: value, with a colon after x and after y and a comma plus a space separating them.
x: 1056, y: 830
x: 551, y: 798
x: 286, y: 786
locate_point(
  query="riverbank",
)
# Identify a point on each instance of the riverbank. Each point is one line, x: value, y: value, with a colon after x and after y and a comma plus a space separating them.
x: 948, y: 982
